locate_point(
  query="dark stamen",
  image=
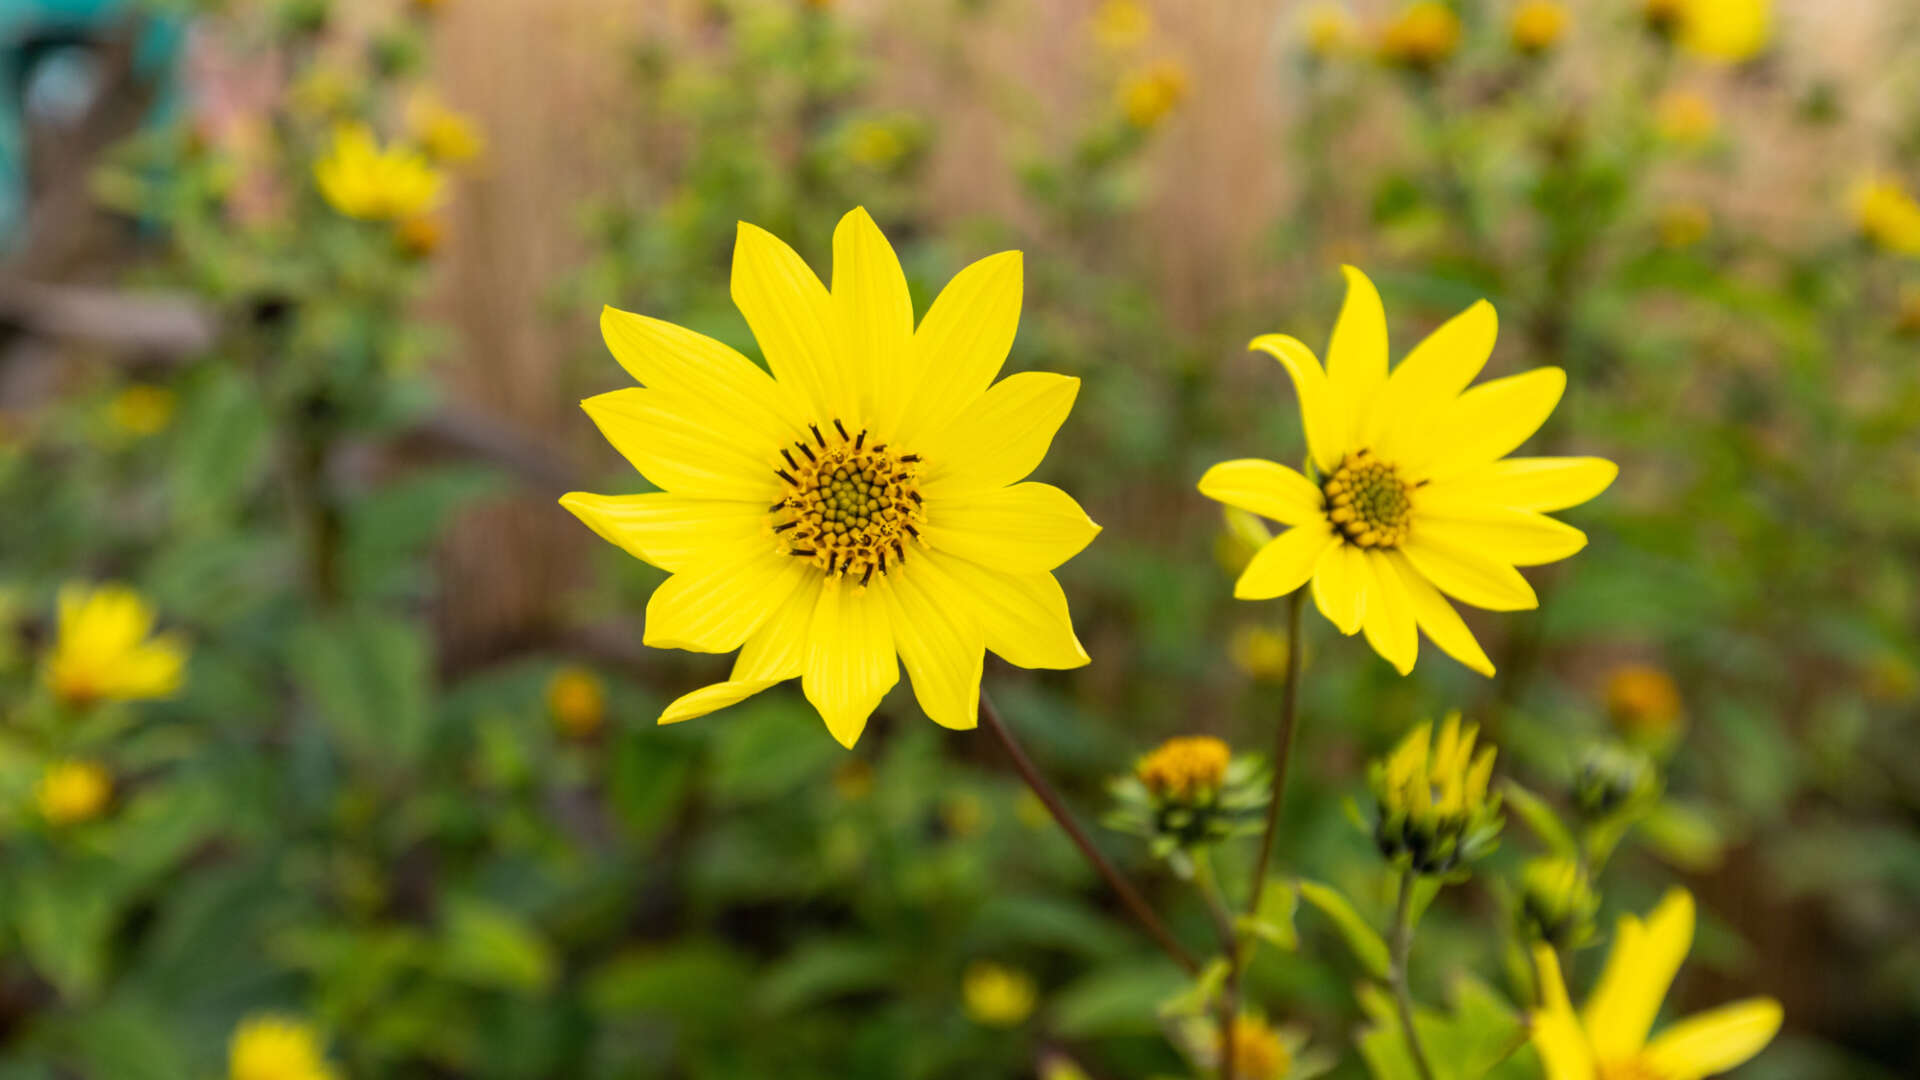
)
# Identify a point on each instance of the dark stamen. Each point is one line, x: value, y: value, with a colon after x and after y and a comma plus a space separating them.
x: 842, y: 429
x: 788, y: 477
x: 833, y: 559
x: 860, y: 439
x: 914, y: 495
x: 807, y: 450
x: 911, y: 529
x: 868, y: 576
x: 805, y: 553
x: 899, y: 549
x: 776, y: 506
x: 878, y: 448
x: 817, y: 437
x: 784, y: 528
x: 788, y: 454
x: 910, y: 457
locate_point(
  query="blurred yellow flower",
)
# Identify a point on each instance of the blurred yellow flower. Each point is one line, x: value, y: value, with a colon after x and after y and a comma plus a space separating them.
x: 428, y: 7
x: 1887, y: 215
x: 1608, y: 1038
x: 1731, y: 31
x: 277, y: 1048
x: 1149, y: 94
x: 577, y: 701
x: 362, y: 180
x: 102, y: 651
x: 1120, y: 25
x: 859, y: 508
x: 1537, y: 25
x: 1259, y: 1053
x: 1434, y: 798
x: 1327, y: 28
x: 70, y: 792
x: 419, y: 237
x: 998, y: 996
x: 1686, y: 117
x: 142, y: 409
x: 1557, y: 903
x: 1684, y: 224
x: 1643, y: 701
x: 444, y: 135
x: 876, y: 144
x: 1421, y: 35
x: 1260, y: 652
x: 1185, y: 768
x: 1412, y: 498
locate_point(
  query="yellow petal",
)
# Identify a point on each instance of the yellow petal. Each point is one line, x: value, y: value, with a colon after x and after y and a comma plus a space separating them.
x: 1639, y: 971
x: 670, y: 531
x: 1022, y: 528
x: 1437, y: 618
x: 1264, y: 487
x: 792, y: 317
x: 850, y: 660
x: 1542, y: 483
x: 1001, y: 437
x: 778, y: 650
x: 875, y: 314
x: 940, y: 642
x: 1024, y: 616
x: 1485, y: 423
x: 1556, y: 1033
x: 1388, y: 619
x: 1357, y: 354
x: 1322, y: 416
x: 1713, y: 1042
x: 1468, y: 575
x: 961, y: 344
x: 1340, y: 587
x: 663, y: 356
x: 1430, y: 378
x: 712, y: 699
x: 714, y: 607
x: 1519, y: 537
x: 684, y: 446
x: 1286, y: 562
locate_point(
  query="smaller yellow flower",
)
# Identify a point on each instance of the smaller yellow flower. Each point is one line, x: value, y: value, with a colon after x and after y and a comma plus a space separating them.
x: 1424, y: 34
x: 1149, y: 94
x: 998, y: 996
x: 1119, y: 25
x: 577, y: 701
x: 876, y: 144
x: 1684, y: 224
x: 1435, y: 810
x: 446, y: 136
x: 1327, y: 29
x: 1188, y: 767
x: 103, y: 652
x: 1730, y: 31
x: 1259, y: 1053
x: 1644, y: 702
x: 1887, y: 215
x: 1608, y: 1038
x: 1537, y: 25
x: 1557, y: 904
x: 70, y: 792
x: 1260, y: 652
x: 142, y: 409
x: 277, y: 1048
x: 362, y: 180
x: 1685, y: 117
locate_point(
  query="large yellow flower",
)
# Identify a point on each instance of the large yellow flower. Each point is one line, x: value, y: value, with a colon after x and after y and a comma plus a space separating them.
x: 103, y: 652
x: 1412, y: 497
x: 1607, y: 1040
x: 277, y: 1048
x: 362, y: 180
x: 863, y: 502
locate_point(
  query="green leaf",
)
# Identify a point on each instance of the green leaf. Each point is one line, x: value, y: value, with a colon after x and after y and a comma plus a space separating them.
x: 64, y: 919
x: 825, y: 969
x: 1198, y: 997
x: 1119, y: 999
x: 371, y: 681
x: 1367, y: 944
x: 487, y: 945
x: 699, y: 983
x: 1541, y: 819
x: 1684, y: 836
x: 1468, y: 1043
x: 1273, y: 923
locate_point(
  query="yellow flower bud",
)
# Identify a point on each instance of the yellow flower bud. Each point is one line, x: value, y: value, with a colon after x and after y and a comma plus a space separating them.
x: 70, y: 792
x: 1435, y: 809
x: 142, y: 409
x: 1149, y: 94
x: 1260, y: 652
x: 1644, y: 703
x: 577, y: 701
x: 998, y: 996
x: 1887, y: 215
x: 277, y: 1048
x: 1424, y: 34
x: 1537, y: 25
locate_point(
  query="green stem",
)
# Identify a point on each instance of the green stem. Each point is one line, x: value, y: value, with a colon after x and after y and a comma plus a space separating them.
x: 1209, y: 886
x: 1282, y: 748
x: 1397, y: 975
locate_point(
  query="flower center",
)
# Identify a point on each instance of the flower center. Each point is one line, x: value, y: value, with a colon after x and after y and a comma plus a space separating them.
x: 1368, y: 502
x: 850, y: 505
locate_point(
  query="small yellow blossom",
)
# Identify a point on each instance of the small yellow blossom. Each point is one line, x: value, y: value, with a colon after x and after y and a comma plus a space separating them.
x: 1685, y: 117
x: 1433, y: 794
x: 1644, y: 702
x: 1608, y: 1038
x: 142, y: 409
x: 1730, y: 31
x: 1423, y: 34
x: 445, y: 135
x: 1557, y: 904
x: 419, y: 237
x: 1260, y: 652
x: 70, y: 792
x: 577, y: 701
x: 1119, y: 25
x: 1684, y: 224
x: 1886, y: 214
x: 362, y: 180
x: 876, y: 144
x: 1327, y: 29
x: 1149, y: 94
x: 1537, y: 25
x: 998, y: 996
x: 103, y: 652
x: 1259, y: 1053
x: 277, y: 1048
x: 1185, y: 767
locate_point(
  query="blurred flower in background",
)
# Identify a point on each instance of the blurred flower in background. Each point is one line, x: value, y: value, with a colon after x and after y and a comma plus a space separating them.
x: 362, y: 180
x: 277, y: 1048
x: 1433, y: 800
x: 576, y: 701
x: 1557, y: 903
x: 103, y: 651
x: 996, y: 995
x: 1684, y: 224
x: 70, y: 792
x: 1685, y: 117
x: 1259, y: 651
x: 1730, y: 31
x: 1186, y: 768
x: 142, y: 409
x: 1887, y: 214
x: 1122, y: 25
x: 447, y: 137
x: 1537, y: 25
x: 1644, y: 703
x: 1327, y: 28
x: 1149, y: 94
x: 1420, y: 35
x: 1259, y: 1053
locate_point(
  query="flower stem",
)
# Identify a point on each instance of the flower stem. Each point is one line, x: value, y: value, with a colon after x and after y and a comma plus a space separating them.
x: 1121, y: 887
x: 1402, y: 997
x: 1209, y: 887
x: 1282, y: 748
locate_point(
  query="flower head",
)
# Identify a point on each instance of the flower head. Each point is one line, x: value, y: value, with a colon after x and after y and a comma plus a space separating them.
x: 1644, y: 702
x: 1887, y: 215
x: 446, y: 136
x: 1608, y: 1038
x: 1190, y: 767
x: 1412, y: 498
x: 1537, y: 25
x: 1327, y: 28
x: 577, y: 701
x: 70, y: 792
x: 277, y: 1048
x: 1729, y: 31
x: 1149, y: 94
x: 1259, y: 1052
x: 860, y: 504
x: 103, y: 651
x: 362, y: 180
x: 1434, y: 807
x: 142, y: 409
x: 996, y: 995
x: 1685, y: 117
x: 1424, y: 34
x: 1119, y: 25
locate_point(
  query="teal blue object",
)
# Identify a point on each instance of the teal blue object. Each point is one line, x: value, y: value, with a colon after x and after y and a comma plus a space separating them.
x: 46, y: 63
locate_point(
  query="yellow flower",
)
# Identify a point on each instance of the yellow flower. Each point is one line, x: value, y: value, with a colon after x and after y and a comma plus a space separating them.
x: 1731, y: 31
x: 103, y: 653
x: 1259, y: 1053
x: 1187, y: 767
x: 70, y: 792
x: 998, y: 996
x: 1327, y: 28
x: 277, y: 1048
x: 1435, y: 809
x: 863, y: 502
x: 1260, y: 652
x: 142, y: 409
x: 1887, y: 215
x: 1684, y: 224
x: 1537, y: 25
x: 1120, y: 25
x: 1149, y: 94
x: 1607, y: 1040
x: 1423, y: 34
x: 1557, y: 904
x: 1413, y: 498
x: 577, y: 701
x: 362, y: 180
x: 1643, y: 701
x: 445, y: 135
x: 1685, y: 117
